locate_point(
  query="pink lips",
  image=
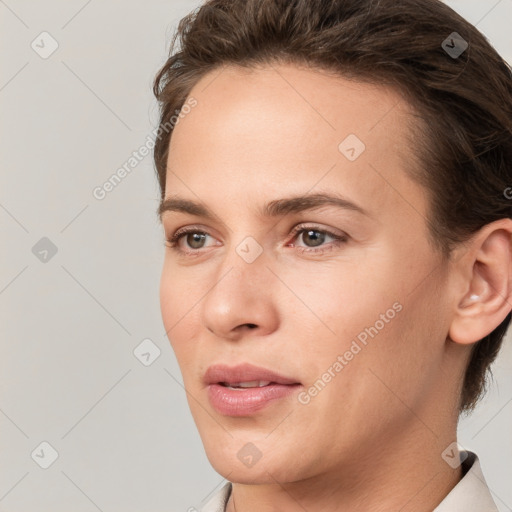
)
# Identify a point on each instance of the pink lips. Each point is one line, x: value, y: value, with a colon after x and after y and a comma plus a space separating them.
x: 245, y: 401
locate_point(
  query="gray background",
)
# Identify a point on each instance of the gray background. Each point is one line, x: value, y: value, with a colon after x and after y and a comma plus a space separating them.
x: 69, y: 325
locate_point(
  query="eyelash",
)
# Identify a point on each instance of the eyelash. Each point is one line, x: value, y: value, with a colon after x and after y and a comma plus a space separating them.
x: 173, y: 241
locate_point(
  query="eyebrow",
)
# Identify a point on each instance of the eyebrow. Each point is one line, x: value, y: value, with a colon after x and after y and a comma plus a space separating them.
x: 274, y: 208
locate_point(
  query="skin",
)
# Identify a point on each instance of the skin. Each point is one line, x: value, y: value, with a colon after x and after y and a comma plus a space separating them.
x: 372, y: 439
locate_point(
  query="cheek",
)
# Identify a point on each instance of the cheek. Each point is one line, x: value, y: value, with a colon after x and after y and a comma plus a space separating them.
x: 168, y: 300
x: 357, y: 389
x: 343, y: 300
x: 178, y: 313
x: 400, y: 361
x: 180, y: 290
x: 373, y: 340
x: 356, y: 327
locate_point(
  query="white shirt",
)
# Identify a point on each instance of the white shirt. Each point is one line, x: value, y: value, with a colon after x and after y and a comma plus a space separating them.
x: 470, y: 494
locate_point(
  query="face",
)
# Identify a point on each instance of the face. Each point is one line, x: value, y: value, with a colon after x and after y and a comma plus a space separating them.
x: 345, y: 299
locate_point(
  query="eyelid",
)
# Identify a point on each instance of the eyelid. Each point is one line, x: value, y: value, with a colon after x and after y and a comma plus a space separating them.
x: 316, y: 227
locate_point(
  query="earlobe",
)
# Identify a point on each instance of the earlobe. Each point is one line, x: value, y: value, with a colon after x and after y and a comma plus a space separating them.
x: 488, y: 291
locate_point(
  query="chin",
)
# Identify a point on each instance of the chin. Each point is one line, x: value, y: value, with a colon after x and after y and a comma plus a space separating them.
x: 270, y: 470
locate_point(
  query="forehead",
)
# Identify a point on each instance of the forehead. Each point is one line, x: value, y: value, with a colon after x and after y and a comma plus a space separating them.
x: 319, y: 97
x: 288, y: 128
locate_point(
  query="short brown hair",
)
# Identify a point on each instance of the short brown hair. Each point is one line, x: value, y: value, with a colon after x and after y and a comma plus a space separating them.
x: 463, y: 137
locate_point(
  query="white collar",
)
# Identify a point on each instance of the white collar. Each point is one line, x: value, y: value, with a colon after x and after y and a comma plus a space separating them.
x: 472, y: 492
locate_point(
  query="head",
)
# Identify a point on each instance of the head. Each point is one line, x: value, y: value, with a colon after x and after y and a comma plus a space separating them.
x: 394, y: 300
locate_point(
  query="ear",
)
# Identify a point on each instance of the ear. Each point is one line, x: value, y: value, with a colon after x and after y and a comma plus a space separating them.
x: 486, y: 299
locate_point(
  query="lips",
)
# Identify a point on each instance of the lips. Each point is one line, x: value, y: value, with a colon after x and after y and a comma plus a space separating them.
x: 245, y: 389
x: 244, y: 374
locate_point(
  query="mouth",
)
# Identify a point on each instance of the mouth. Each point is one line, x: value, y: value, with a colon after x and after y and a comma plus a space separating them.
x: 245, y: 389
x: 245, y: 376
x: 246, y: 385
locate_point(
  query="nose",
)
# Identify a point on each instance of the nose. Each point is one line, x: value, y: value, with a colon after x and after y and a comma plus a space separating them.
x: 241, y: 300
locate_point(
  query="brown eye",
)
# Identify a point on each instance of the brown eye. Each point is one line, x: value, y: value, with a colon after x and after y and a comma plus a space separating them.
x: 316, y: 240
x: 313, y: 237
x: 194, y: 240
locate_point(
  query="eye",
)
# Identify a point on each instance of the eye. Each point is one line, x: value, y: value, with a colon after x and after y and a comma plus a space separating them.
x: 194, y: 239
x: 314, y: 238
